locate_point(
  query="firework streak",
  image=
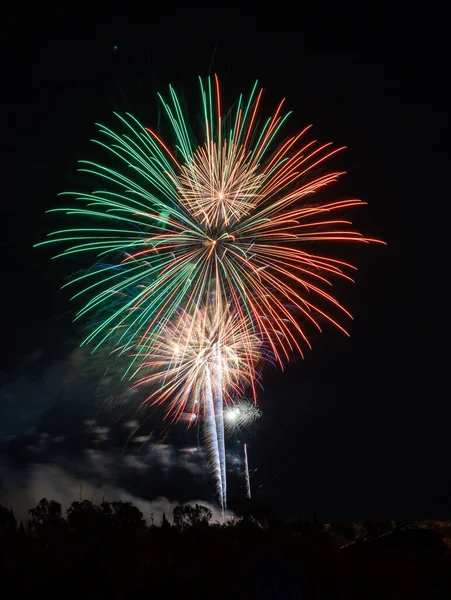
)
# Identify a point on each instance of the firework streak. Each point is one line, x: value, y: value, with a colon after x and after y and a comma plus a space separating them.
x: 224, y: 222
x: 246, y: 471
x: 197, y: 363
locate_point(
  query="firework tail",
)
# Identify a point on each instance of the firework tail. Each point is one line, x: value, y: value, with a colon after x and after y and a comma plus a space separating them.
x: 211, y: 437
x: 246, y: 471
x: 219, y: 418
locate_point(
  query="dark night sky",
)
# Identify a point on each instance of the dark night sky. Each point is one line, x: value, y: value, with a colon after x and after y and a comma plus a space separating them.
x: 361, y: 426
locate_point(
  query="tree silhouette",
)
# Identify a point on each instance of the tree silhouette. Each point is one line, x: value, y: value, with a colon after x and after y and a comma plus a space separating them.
x: 21, y: 531
x: 108, y: 550
x: 8, y: 523
x: 165, y: 525
x: 86, y: 519
x: 248, y: 508
x: 191, y: 516
x: 46, y: 519
x: 126, y: 518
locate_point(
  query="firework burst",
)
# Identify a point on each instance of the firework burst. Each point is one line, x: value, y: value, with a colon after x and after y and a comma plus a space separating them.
x: 203, y: 252
x: 239, y: 414
x: 199, y: 362
x: 239, y: 209
x: 206, y: 346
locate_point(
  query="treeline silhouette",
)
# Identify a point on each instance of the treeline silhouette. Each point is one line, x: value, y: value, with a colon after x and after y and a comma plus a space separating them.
x: 111, y: 550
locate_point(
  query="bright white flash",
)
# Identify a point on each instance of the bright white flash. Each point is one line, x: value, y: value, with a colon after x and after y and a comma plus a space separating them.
x: 241, y: 414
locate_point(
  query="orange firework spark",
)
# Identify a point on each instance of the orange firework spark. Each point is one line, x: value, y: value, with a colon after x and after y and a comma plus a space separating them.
x: 208, y: 348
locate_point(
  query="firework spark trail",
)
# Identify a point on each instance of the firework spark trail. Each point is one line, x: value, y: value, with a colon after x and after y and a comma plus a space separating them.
x: 242, y: 413
x: 233, y: 215
x: 211, y: 438
x: 198, y: 363
x: 173, y: 360
x: 246, y: 471
x: 219, y: 419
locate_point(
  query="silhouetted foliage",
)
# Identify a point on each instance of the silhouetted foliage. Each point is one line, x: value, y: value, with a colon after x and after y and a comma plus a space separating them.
x: 165, y: 525
x: 86, y: 519
x: 8, y: 523
x: 126, y: 519
x: 247, y: 507
x: 46, y: 519
x: 107, y: 550
x: 191, y: 516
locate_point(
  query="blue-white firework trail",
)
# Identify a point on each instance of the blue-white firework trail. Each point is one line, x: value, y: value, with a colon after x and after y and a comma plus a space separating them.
x: 219, y: 414
x: 246, y: 473
x: 211, y: 438
x: 198, y: 363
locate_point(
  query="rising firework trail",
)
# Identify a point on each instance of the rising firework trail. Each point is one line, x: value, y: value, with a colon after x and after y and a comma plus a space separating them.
x: 211, y: 440
x: 242, y: 413
x: 198, y: 363
x: 219, y: 420
x: 246, y: 472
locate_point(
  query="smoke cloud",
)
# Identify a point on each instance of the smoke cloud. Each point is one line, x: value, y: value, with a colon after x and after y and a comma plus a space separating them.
x: 49, y: 481
x: 70, y: 427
